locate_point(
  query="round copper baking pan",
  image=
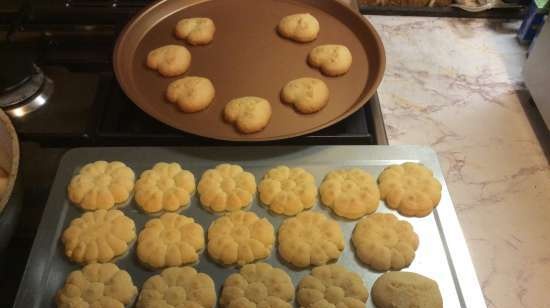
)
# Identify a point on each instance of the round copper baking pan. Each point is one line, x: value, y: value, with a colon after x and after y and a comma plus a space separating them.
x: 249, y: 58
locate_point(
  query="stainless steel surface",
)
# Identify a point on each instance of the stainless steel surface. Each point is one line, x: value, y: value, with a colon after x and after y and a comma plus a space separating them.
x: 537, y: 74
x: 442, y: 254
x: 35, y: 102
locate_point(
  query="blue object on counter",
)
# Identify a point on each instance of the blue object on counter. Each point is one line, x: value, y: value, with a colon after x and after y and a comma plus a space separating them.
x: 532, y: 22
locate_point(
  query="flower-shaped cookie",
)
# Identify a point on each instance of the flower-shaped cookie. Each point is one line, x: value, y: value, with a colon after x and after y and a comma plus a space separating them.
x: 240, y: 238
x: 196, y: 31
x: 101, y: 185
x: 257, y: 285
x: 249, y: 114
x: 97, y: 285
x: 410, y: 188
x: 384, y: 242
x: 170, y: 240
x: 98, y: 236
x: 178, y: 287
x: 226, y: 188
x: 165, y: 187
x: 288, y: 191
x: 350, y: 193
x: 332, y: 286
x: 310, y: 239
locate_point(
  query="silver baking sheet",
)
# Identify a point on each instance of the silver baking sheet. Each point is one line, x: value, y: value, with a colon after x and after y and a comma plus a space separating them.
x: 442, y: 254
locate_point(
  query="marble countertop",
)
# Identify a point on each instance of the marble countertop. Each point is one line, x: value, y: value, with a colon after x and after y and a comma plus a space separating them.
x: 456, y: 85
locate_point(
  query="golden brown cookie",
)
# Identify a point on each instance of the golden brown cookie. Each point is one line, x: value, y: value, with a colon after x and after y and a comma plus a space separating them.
x: 171, y: 240
x: 410, y: 188
x: 405, y: 290
x: 178, y: 287
x: 169, y: 60
x: 191, y: 94
x: 240, y: 238
x: 384, y: 243
x: 288, y: 191
x: 310, y: 238
x: 98, y: 236
x: 299, y: 27
x: 257, y: 285
x: 165, y: 187
x: 226, y: 188
x: 307, y: 95
x: 196, y: 31
x: 249, y: 114
x: 332, y: 60
x: 101, y: 185
x: 332, y: 286
x: 97, y: 285
x: 350, y: 193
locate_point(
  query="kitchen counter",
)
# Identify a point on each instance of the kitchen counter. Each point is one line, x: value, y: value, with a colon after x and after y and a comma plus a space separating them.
x: 456, y: 85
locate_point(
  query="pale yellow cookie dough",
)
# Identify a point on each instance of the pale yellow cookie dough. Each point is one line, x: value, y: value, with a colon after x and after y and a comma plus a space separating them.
x: 178, y: 287
x: 165, y: 187
x: 240, y: 238
x: 406, y: 290
x: 171, y: 240
x: 410, y: 188
x: 169, y: 60
x: 226, y: 188
x: 101, y: 185
x: 97, y: 285
x: 299, y: 27
x: 384, y: 243
x: 332, y: 286
x: 191, y: 94
x: 196, y: 31
x: 310, y: 238
x: 350, y: 193
x: 288, y: 191
x: 98, y: 236
x: 332, y: 60
x: 257, y: 285
x: 307, y: 95
x: 249, y: 114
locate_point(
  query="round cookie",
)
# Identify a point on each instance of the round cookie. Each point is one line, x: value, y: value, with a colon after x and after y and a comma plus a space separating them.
x: 332, y: 60
x: 169, y: 60
x: 299, y: 27
x: 410, y: 188
x: 97, y: 285
x: 332, y: 286
x: 98, y: 236
x: 165, y: 187
x: 383, y: 242
x: 191, y: 94
x: 101, y: 185
x: 310, y: 238
x: 240, y: 238
x: 177, y: 287
x: 257, y: 285
x: 171, y: 240
x: 405, y: 290
x: 226, y: 188
x: 350, y: 193
x: 288, y: 191
x: 196, y: 31
x: 307, y: 95
x: 249, y: 114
